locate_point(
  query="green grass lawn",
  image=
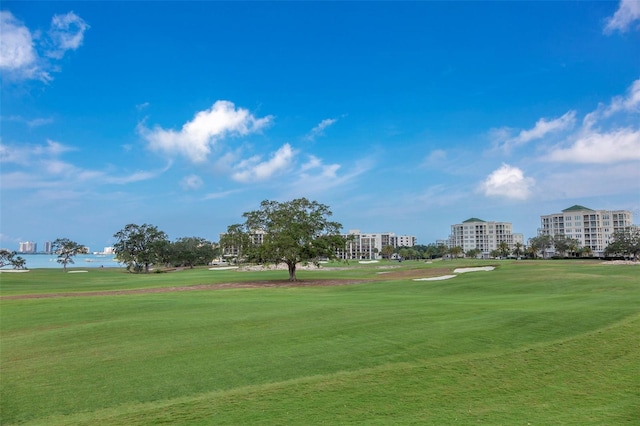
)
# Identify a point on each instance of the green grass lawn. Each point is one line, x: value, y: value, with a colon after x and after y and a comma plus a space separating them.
x: 531, y: 342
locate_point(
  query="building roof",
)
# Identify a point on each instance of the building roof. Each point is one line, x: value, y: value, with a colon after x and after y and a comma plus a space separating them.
x: 576, y: 208
x: 473, y: 219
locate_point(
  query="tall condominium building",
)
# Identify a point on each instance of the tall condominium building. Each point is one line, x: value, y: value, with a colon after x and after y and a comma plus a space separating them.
x: 369, y: 246
x: 477, y: 234
x: 255, y: 237
x: 28, y: 247
x: 48, y: 247
x: 592, y: 228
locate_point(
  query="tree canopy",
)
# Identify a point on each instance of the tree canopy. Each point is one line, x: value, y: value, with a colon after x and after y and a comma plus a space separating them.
x: 9, y: 258
x: 66, y: 250
x: 140, y: 245
x: 625, y: 242
x: 290, y: 232
x: 191, y: 251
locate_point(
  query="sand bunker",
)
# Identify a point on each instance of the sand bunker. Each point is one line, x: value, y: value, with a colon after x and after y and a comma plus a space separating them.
x: 75, y: 272
x: 14, y: 270
x: 223, y: 268
x: 480, y: 268
x: 457, y: 271
x: 368, y: 261
x: 442, y: 277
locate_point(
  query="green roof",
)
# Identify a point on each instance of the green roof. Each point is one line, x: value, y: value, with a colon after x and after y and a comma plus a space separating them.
x: 576, y: 208
x: 473, y: 219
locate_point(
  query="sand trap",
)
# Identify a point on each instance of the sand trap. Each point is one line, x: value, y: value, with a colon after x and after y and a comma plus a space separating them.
x: 442, y: 277
x: 75, y: 272
x: 368, y: 261
x: 479, y: 268
x: 14, y: 270
x: 223, y: 268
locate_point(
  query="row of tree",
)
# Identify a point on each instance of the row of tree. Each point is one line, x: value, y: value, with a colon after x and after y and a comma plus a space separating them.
x: 139, y: 246
x: 295, y: 232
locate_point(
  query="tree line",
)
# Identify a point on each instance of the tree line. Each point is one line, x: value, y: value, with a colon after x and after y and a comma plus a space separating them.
x: 293, y: 232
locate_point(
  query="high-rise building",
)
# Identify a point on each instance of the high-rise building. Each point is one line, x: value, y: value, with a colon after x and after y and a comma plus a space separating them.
x: 484, y: 236
x: 48, y: 247
x: 27, y: 247
x: 592, y: 228
x: 369, y: 246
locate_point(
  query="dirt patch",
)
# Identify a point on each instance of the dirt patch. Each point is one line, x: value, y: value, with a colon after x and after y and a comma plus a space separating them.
x: 220, y: 286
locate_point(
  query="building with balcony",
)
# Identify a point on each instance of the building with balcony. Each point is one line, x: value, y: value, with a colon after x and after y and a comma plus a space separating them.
x: 591, y: 228
x: 484, y: 236
x: 369, y: 245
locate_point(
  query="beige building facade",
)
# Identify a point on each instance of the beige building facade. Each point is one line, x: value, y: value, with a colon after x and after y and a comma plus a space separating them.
x: 484, y: 236
x: 591, y: 228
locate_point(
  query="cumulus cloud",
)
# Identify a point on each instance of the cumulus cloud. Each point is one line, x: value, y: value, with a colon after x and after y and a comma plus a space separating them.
x: 508, y: 182
x: 319, y: 129
x: 22, y: 59
x: 254, y: 169
x: 196, y: 137
x: 627, y: 14
x: 18, y: 56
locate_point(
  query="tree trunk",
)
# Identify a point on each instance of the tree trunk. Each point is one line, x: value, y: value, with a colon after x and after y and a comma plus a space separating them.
x: 292, y: 271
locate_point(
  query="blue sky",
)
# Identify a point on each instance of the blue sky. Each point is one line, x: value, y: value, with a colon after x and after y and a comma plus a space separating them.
x: 402, y: 117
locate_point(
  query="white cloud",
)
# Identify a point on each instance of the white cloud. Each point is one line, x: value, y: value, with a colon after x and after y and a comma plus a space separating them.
x: 218, y: 195
x: 25, y: 154
x: 66, y: 33
x: 20, y: 57
x: 601, y: 148
x: 315, y: 177
x: 628, y: 12
x: 196, y: 137
x: 319, y: 129
x: 436, y: 157
x: 191, y: 182
x: 542, y: 128
x: 628, y: 103
x: 40, y: 166
x: 253, y: 169
x: 509, y: 182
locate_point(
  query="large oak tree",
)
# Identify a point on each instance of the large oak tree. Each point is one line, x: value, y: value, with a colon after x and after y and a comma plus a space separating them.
x: 293, y: 232
x: 139, y: 246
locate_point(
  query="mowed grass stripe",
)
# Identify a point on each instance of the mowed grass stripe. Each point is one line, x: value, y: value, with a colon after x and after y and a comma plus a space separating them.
x: 71, y: 355
x: 590, y: 379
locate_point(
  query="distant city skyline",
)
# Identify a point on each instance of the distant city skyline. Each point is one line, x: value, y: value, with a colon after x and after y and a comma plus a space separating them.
x: 403, y: 117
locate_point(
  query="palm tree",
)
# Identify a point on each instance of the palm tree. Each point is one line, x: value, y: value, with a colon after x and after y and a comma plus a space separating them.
x: 518, y: 249
x: 503, y: 249
x: 586, y: 251
x: 456, y: 251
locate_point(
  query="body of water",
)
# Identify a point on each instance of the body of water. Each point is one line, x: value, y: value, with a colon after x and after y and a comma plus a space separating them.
x: 84, y: 261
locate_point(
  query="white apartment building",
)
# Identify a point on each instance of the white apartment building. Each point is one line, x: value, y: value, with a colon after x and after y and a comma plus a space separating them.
x: 592, y: 228
x: 27, y: 247
x: 369, y: 245
x: 475, y: 233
